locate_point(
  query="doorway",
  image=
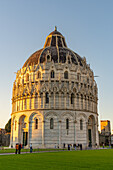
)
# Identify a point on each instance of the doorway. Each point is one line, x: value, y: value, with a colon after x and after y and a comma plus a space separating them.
x: 25, y: 137
x: 89, y: 137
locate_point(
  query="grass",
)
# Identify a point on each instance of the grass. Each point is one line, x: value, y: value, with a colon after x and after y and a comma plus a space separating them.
x: 87, y: 159
x: 27, y: 150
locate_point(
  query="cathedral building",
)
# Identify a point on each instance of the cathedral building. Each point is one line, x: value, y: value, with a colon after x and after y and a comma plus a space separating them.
x: 55, y: 98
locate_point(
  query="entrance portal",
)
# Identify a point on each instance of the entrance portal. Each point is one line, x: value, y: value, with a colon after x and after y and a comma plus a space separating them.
x: 25, y: 137
x: 89, y: 137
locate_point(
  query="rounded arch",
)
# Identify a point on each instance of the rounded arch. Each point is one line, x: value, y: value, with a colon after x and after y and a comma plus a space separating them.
x: 34, y: 114
x: 23, y: 116
x: 51, y: 114
x: 67, y: 115
x: 91, y: 118
x: 82, y: 116
x: 91, y: 130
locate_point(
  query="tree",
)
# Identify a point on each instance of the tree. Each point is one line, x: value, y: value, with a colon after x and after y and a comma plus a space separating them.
x: 8, y: 126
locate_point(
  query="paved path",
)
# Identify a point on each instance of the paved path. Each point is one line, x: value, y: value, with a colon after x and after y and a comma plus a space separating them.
x: 32, y: 152
x: 48, y: 151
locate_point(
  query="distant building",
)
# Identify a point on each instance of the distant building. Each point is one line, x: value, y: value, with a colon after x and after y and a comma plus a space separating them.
x: 105, y: 135
x: 105, y: 127
x: 4, y: 138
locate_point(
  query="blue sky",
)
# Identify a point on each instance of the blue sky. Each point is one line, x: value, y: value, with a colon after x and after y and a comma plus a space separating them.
x: 88, y: 29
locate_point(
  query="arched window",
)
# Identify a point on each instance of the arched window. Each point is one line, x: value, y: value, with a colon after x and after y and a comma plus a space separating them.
x: 78, y: 101
x: 51, y: 123
x: 66, y: 74
x: 72, y: 98
x: 48, y: 57
x: 67, y: 123
x: 52, y: 74
x: 27, y: 77
x: 47, y: 97
x: 36, y: 123
x: 81, y: 124
x: 39, y: 75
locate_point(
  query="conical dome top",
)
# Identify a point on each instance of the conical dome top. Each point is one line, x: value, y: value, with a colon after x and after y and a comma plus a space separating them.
x: 56, y: 50
x: 55, y: 39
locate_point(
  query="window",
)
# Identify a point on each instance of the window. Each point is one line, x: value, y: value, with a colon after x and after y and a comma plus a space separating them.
x: 48, y: 57
x: 47, y: 97
x: 36, y: 123
x: 51, y: 123
x: 39, y: 74
x: 72, y: 98
x: 66, y: 75
x: 78, y: 76
x: 81, y: 124
x: 52, y: 74
x: 27, y: 77
x: 67, y: 123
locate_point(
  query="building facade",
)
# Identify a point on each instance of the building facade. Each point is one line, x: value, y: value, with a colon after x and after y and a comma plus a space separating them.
x: 55, y: 98
x: 105, y: 135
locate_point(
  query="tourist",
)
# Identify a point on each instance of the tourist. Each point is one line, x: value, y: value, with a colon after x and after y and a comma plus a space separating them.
x: 19, y: 148
x: 31, y: 148
x: 75, y: 147
x: 16, y: 148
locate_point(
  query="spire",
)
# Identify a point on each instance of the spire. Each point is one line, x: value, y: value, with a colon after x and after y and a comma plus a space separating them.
x: 55, y: 28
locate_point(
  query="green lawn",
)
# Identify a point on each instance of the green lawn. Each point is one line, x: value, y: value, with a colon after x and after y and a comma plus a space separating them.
x: 28, y: 150
x: 89, y: 159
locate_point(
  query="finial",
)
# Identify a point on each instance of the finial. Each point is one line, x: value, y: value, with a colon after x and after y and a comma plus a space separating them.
x: 55, y: 28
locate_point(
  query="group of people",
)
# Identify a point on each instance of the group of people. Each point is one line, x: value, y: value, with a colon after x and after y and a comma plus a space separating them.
x: 75, y: 146
x: 18, y: 148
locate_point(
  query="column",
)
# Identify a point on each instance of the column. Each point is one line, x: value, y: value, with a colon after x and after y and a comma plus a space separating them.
x: 43, y: 127
x: 65, y: 101
x: 39, y: 99
x: 54, y: 100
x: 44, y: 98
x: 69, y: 100
x: 11, y: 137
x: 83, y: 103
x: 49, y: 100
x: 28, y: 143
x: 18, y: 129
x: 75, y: 131
x: 59, y: 133
x: 59, y: 100
x: 75, y: 101
x: 87, y: 139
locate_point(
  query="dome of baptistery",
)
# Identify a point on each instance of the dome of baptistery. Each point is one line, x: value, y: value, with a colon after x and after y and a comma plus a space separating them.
x: 55, y: 98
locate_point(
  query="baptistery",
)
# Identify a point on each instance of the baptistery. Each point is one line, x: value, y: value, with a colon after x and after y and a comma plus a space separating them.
x: 54, y: 99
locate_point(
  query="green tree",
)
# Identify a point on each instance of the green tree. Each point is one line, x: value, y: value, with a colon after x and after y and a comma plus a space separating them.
x: 8, y: 126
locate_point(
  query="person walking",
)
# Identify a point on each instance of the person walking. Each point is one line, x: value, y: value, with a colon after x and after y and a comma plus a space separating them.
x: 75, y: 147
x: 19, y: 149
x: 16, y: 148
x: 31, y: 148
